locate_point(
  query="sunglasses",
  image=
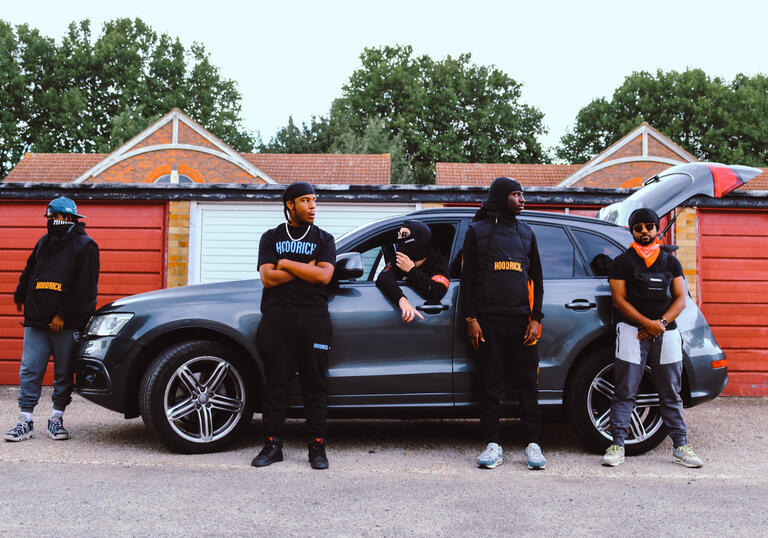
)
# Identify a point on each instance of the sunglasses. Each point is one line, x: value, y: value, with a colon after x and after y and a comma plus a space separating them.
x: 403, y: 235
x: 640, y: 226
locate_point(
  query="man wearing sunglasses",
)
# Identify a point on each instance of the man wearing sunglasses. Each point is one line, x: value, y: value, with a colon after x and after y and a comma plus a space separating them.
x: 423, y: 269
x: 648, y: 292
x: 57, y: 292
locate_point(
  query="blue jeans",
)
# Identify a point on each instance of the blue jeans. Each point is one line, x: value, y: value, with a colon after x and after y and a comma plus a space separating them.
x: 39, y: 345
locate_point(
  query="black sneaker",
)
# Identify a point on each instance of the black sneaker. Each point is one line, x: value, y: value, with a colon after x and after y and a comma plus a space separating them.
x: 317, y: 457
x: 56, y: 429
x: 24, y: 429
x: 271, y: 453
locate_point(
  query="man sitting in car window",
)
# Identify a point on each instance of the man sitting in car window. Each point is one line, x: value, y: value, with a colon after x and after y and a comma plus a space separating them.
x: 423, y: 270
x: 648, y: 293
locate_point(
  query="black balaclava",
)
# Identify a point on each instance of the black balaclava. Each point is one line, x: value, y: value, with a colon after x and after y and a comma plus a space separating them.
x: 59, y: 228
x: 416, y: 245
x: 293, y: 191
x: 496, y: 204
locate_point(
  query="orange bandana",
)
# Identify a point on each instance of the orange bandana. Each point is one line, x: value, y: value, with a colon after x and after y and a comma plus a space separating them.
x: 649, y: 253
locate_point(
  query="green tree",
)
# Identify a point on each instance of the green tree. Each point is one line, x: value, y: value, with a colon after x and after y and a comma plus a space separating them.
x: 711, y: 118
x: 91, y: 95
x: 447, y: 110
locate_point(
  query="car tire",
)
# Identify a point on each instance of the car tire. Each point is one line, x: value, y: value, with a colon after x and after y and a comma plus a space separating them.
x: 588, y: 400
x: 197, y: 396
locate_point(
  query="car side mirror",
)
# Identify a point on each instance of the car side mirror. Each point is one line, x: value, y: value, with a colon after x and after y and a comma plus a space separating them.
x: 348, y: 266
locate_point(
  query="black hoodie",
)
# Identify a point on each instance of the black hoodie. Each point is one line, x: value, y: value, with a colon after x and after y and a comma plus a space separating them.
x: 61, y: 277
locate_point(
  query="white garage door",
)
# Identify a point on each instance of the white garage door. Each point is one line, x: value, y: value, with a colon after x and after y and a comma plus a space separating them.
x: 224, y: 237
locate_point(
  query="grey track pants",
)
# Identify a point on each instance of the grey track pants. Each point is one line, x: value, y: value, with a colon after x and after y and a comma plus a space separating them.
x: 39, y: 345
x: 664, y: 357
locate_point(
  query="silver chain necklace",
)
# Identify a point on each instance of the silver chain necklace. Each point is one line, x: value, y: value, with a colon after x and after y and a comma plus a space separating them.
x: 299, y: 238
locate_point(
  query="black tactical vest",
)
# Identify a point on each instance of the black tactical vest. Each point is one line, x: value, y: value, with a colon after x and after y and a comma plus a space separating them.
x: 502, y: 270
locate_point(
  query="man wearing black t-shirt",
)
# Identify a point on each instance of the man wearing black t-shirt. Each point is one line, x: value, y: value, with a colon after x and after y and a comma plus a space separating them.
x: 648, y: 293
x: 296, y: 263
x: 424, y: 271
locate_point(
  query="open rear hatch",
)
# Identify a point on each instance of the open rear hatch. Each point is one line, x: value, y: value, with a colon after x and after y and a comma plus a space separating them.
x: 675, y: 186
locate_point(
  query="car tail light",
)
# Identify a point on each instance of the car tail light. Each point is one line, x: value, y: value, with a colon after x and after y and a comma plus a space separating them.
x: 725, y: 180
x: 722, y: 363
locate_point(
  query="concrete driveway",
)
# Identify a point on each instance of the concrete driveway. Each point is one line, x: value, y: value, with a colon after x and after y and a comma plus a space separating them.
x: 386, y: 478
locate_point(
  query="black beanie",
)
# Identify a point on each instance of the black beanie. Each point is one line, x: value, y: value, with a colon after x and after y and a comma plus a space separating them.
x: 294, y: 190
x: 643, y: 215
x: 497, y: 197
x: 419, y: 231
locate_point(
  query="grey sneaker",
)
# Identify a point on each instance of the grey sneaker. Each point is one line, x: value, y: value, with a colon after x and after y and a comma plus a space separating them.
x: 536, y: 459
x: 56, y: 429
x: 614, y: 456
x: 24, y: 429
x: 492, y: 456
x: 684, y: 455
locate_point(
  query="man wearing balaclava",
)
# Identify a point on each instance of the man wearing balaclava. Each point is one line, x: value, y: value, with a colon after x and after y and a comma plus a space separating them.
x: 502, y: 291
x: 296, y: 263
x: 648, y: 292
x: 57, y: 292
x: 423, y: 270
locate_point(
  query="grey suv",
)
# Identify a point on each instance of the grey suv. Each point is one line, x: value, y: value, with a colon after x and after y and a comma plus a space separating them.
x: 185, y: 359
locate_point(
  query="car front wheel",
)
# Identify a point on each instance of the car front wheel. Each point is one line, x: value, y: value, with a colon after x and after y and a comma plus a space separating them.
x: 197, y: 396
x: 588, y: 399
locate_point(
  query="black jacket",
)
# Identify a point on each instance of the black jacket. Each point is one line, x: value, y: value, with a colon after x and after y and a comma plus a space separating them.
x: 430, y: 280
x: 61, y: 277
x: 501, y: 274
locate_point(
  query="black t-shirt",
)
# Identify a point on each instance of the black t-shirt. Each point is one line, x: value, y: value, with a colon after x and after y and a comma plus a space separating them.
x: 297, y: 296
x: 646, y: 298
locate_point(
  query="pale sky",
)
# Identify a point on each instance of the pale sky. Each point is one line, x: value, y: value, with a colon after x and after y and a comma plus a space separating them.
x: 291, y: 58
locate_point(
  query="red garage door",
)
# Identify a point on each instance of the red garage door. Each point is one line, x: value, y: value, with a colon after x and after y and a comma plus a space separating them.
x: 131, y: 242
x: 733, y: 272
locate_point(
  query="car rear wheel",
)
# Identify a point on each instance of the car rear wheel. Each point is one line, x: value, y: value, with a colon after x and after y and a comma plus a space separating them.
x: 197, y: 396
x: 588, y: 400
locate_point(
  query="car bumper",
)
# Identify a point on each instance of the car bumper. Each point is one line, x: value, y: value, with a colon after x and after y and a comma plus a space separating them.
x: 704, y: 382
x: 101, y: 374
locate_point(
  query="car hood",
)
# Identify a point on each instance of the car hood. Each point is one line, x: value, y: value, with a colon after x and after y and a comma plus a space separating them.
x: 220, y: 291
x: 675, y: 186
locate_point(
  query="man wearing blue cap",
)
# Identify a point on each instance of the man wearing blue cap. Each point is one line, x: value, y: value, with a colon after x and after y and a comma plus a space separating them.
x: 57, y: 292
x: 296, y: 263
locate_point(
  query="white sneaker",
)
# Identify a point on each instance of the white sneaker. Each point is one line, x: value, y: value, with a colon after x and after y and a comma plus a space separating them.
x: 492, y: 456
x: 614, y: 456
x: 535, y: 458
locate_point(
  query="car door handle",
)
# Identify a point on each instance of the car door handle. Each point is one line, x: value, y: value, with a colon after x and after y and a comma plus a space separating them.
x: 432, y: 308
x: 580, y: 304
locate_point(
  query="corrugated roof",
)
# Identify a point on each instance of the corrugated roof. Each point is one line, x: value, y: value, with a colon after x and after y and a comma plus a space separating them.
x: 543, y: 175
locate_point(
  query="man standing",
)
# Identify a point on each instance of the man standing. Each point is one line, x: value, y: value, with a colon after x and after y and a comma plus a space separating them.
x: 57, y: 291
x: 502, y: 291
x: 296, y: 263
x: 648, y: 293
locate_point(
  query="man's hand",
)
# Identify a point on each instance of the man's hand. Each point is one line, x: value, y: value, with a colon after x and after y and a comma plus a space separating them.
x: 403, y: 262
x: 409, y: 312
x: 57, y: 324
x: 19, y: 307
x: 532, y: 333
x: 475, y: 333
x: 653, y: 327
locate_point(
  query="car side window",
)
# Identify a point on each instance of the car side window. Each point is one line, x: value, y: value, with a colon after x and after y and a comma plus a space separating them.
x: 598, y: 251
x: 376, y: 250
x: 559, y: 258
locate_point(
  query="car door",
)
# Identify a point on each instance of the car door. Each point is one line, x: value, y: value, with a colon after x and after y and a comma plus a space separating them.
x: 376, y: 359
x: 576, y: 307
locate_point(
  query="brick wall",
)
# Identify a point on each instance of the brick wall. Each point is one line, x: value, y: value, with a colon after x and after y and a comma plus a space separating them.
x: 686, y: 237
x: 178, y: 244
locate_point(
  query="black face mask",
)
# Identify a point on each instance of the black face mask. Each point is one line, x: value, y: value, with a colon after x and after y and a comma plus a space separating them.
x: 59, y: 228
x: 410, y: 248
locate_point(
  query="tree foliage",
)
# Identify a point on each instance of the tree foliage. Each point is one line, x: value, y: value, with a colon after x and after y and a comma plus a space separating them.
x: 430, y: 110
x: 92, y: 95
x: 713, y: 119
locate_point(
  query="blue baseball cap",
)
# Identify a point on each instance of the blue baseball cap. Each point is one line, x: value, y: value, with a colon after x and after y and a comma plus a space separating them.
x: 63, y: 205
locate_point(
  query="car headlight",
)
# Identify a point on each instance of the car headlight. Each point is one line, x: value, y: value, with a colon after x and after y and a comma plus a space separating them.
x: 107, y: 325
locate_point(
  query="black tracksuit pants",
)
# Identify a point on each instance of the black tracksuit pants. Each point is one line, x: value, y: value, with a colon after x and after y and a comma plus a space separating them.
x: 290, y: 344
x: 504, y: 361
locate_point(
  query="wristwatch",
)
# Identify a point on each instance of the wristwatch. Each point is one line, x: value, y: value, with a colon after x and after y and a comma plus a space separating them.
x: 664, y: 321
x: 470, y: 318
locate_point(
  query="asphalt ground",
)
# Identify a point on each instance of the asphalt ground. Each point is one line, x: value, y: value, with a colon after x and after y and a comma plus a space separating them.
x: 387, y: 478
